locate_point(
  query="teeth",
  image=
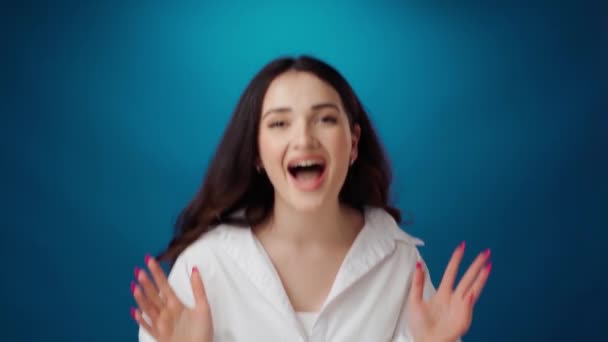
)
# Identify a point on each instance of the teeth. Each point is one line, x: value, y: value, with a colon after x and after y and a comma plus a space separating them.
x: 305, y: 163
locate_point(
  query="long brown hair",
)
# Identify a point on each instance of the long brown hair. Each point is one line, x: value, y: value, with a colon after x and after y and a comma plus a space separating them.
x: 232, y: 182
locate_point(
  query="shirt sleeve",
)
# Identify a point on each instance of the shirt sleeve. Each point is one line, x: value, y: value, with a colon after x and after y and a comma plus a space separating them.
x: 402, y: 333
x: 179, y: 279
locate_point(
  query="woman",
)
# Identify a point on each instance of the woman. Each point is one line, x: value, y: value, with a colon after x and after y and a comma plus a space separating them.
x: 291, y: 236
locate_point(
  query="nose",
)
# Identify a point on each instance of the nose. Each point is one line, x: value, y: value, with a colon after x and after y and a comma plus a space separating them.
x: 304, y: 137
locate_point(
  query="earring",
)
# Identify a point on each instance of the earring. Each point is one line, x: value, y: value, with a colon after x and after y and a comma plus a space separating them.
x: 258, y: 168
x: 352, y: 161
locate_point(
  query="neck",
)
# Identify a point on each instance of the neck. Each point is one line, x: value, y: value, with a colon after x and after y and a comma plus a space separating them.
x: 331, y: 224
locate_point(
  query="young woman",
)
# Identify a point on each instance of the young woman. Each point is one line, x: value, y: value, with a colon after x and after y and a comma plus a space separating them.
x: 291, y: 236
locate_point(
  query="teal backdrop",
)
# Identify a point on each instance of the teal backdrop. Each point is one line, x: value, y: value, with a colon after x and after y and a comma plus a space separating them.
x: 494, y: 116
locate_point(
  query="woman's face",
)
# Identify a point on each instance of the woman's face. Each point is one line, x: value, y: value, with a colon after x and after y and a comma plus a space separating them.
x: 305, y: 141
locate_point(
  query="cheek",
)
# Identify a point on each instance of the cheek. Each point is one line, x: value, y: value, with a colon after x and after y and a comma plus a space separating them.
x: 271, y: 151
x: 340, y: 145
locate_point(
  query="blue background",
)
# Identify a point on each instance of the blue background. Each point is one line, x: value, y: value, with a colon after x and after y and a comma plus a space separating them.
x: 494, y: 116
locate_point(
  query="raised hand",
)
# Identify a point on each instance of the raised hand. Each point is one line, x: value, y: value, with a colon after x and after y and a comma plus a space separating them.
x: 447, y: 315
x: 169, y: 319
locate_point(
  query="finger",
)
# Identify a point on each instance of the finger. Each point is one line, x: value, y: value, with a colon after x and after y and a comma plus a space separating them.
x: 143, y: 303
x: 417, y: 285
x: 149, y: 289
x: 198, y: 288
x: 480, y: 282
x: 449, y: 276
x: 138, y: 317
x: 470, y: 275
x: 160, y: 279
x: 165, y: 324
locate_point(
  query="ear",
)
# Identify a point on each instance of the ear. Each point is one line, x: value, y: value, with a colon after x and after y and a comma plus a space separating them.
x: 355, y: 137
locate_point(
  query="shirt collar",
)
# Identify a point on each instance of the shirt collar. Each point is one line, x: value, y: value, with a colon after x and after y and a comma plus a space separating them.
x: 376, y: 240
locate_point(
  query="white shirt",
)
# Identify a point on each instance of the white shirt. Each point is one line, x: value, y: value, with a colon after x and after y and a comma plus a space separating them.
x: 248, y: 302
x: 307, y: 319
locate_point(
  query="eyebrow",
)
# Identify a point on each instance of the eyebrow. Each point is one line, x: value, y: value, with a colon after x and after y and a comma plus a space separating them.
x: 316, y: 107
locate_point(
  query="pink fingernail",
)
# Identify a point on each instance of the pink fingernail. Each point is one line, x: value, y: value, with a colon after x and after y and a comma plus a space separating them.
x: 463, y: 245
x: 136, y: 271
x: 133, y: 313
x: 418, y: 265
x: 489, y: 266
x: 487, y: 252
x: 133, y: 286
x: 194, y: 269
x: 147, y: 258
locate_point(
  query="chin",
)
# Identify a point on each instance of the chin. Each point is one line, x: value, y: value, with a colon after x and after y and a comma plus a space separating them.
x: 308, y: 203
x: 307, y: 206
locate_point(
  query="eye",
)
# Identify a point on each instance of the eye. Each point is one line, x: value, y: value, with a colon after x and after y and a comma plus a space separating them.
x: 331, y: 119
x: 277, y: 124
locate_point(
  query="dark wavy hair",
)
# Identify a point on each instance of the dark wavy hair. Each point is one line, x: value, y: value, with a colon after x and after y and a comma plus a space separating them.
x: 232, y: 183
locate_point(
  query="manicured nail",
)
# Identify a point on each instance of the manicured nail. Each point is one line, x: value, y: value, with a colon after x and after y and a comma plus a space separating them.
x: 133, y: 286
x: 194, y: 269
x: 418, y: 265
x: 462, y: 245
x: 133, y: 313
x: 136, y: 271
x: 147, y: 258
x: 489, y: 266
x: 487, y: 252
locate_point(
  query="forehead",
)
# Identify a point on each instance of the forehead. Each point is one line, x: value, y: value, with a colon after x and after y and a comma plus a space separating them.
x: 298, y: 89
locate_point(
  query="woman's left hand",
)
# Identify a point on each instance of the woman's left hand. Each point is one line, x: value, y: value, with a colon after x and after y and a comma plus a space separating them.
x: 447, y: 315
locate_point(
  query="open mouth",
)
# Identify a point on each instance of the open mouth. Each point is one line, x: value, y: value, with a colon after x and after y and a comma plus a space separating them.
x: 308, y: 174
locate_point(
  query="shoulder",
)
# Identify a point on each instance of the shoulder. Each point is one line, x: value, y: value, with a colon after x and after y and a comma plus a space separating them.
x: 205, y: 251
x: 206, y: 242
x: 381, y: 222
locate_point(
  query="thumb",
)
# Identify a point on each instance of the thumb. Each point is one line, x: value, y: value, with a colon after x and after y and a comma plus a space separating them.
x: 417, y: 284
x: 198, y: 288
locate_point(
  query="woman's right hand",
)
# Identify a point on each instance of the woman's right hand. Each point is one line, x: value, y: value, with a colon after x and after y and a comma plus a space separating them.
x: 169, y: 319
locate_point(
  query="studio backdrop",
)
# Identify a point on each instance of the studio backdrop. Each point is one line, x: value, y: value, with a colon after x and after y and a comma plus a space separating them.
x: 493, y: 116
